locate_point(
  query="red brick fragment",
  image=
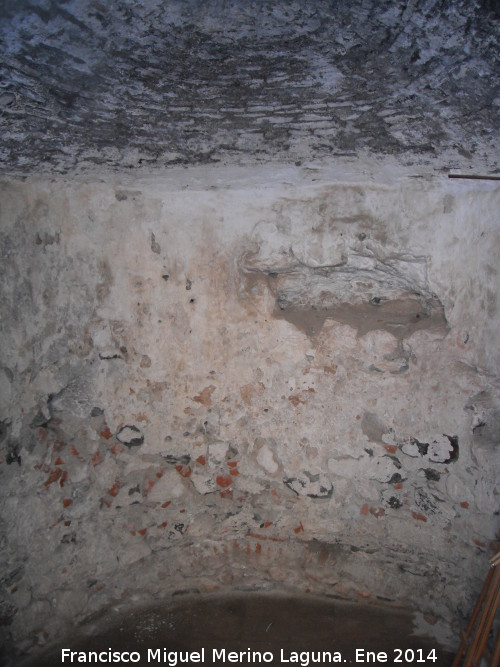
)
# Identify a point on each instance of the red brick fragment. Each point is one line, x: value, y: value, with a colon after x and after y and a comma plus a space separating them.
x: 398, y: 485
x: 148, y: 485
x: 299, y: 528
x: 267, y: 524
x: 232, y: 464
x: 166, y: 504
x: 73, y: 450
x: 67, y: 502
x: 419, y: 517
x: 106, y: 433
x: 479, y: 543
x: 392, y: 449
x: 464, y: 504
x: 97, y: 459
x: 257, y: 536
x: 228, y: 493
x: 143, y: 531
x: 234, y: 472
x: 113, y: 491
x: 58, y: 461
x: 53, y: 477
x: 365, y: 509
x: 224, y: 481
x: 258, y: 548
x: 184, y: 471
x: 63, y: 478
x: 201, y: 460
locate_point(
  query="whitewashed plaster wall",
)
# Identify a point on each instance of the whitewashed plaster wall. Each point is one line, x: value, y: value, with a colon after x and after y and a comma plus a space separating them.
x: 240, y: 380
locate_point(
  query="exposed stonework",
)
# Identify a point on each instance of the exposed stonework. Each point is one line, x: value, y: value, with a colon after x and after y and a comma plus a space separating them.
x: 165, y: 427
x: 354, y: 281
x: 148, y: 83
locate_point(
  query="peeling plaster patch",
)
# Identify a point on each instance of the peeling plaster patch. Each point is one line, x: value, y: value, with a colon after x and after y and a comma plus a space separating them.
x: 169, y: 486
x: 73, y: 397
x: 485, y: 420
x: 425, y: 501
x: 439, y: 449
x: 130, y: 436
x: 384, y: 470
x: 415, y: 448
x: 182, y: 460
x: 203, y: 483
x: 373, y: 427
x: 265, y: 458
x: 307, y: 484
x: 217, y: 451
x: 361, y: 289
x: 393, y: 498
x: 401, y: 317
x: 431, y: 475
x: 443, y: 449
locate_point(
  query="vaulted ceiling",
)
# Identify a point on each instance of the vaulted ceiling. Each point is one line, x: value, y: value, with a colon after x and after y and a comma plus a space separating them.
x: 156, y: 83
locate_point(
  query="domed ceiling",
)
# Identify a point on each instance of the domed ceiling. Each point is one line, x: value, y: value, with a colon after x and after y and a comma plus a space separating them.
x: 126, y: 84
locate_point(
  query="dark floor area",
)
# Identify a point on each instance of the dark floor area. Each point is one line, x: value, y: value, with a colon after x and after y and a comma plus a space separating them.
x: 279, y: 628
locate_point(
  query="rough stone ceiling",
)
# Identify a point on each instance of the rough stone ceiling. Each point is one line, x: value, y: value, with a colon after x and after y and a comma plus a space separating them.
x: 129, y: 83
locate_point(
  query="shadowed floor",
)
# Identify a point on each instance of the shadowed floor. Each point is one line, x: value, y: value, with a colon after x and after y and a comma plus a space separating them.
x: 282, y: 626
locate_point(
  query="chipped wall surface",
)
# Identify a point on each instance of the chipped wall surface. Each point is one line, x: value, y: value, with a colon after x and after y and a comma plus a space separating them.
x: 284, y: 385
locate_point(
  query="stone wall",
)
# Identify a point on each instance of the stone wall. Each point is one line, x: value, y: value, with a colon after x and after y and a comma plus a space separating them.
x: 226, y: 380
